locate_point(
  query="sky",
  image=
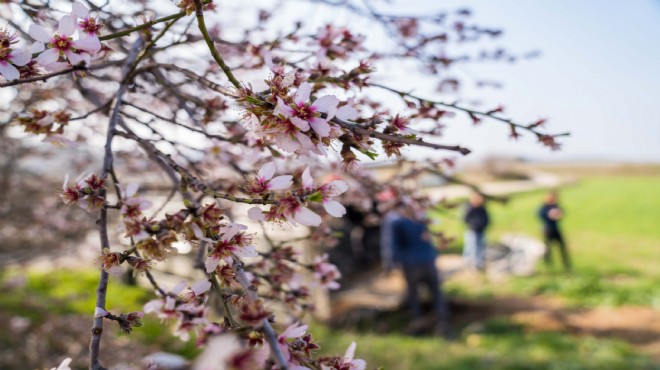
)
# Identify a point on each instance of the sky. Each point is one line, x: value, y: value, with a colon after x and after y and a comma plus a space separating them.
x: 598, y: 75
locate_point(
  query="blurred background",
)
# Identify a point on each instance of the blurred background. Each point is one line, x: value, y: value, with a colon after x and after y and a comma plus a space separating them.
x: 594, y: 71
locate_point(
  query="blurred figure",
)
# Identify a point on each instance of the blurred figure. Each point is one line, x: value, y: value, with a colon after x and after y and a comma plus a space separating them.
x: 477, y: 220
x: 550, y: 213
x: 389, y: 205
x: 413, y: 250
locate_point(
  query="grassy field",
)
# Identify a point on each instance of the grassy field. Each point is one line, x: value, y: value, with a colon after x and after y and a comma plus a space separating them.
x: 612, y: 225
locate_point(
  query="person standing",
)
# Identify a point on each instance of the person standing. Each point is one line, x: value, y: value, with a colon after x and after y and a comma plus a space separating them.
x: 413, y: 251
x: 476, y: 219
x: 550, y: 214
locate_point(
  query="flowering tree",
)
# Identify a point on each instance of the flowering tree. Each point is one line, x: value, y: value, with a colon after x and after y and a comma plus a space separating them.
x: 265, y: 120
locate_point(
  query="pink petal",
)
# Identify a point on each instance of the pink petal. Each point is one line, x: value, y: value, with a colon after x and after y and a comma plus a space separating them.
x: 39, y: 33
x: 302, y: 95
x: 327, y: 104
x: 8, y: 71
x: 200, y: 287
x: 131, y: 189
x: 350, y: 352
x: 256, y: 214
x: 247, y: 251
x: 307, y: 180
x: 197, y: 231
x: 334, y: 208
x: 282, y: 108
x: 79, y: 10
x: 211, y: 263
x: 281, y: 182
x: 321, y: 127
x: 90, y: 43
x: 49, y: 56
x: 358, y: 364
x: 294, y: 330
x: 20, y: 57
x: 74, y: 59
x: 287, y: 143
x: 337, y: 187
x: 346, y: 113
x: 304, y: 140
x: 306, y: 217
x: 300, y: 123
x: 57, y: 66
x: 179, y: 287
x: 67, y: 26
x: 267, y: 171
x: 37, y: 47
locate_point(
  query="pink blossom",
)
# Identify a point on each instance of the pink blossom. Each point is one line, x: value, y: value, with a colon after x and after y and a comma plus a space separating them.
x: 132, y: 204
x: 11, y: 58
x: 327, y: 192
x: 326, y: 273
x: 61, y: 44
x: 264, y: 182
x: 305, y: 114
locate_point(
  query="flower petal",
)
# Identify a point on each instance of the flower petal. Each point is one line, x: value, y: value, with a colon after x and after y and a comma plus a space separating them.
x: 90, y: 43
x: 304, y: 140
x: 37, y: 47
x: 327, y: 104
x: 67, y: 26
x: 247, y: 251
x: 300, y: 123
x: 256, y: 214
x: 282, y: 108
x: 211, y: 263
x: 267, y: 171
x: 20, y: 57
x: 302, y: 95
x: 200, y: 287
x: 307, y: 180
x: 346, y: 113
x: 321, y: 127
x: 280, y: 182
x: 334, y: 208
x: 350, y: 352
x: 306, y: 217
x: 337, y: 187
x: 79, y: 10
x: 39, y: 33
x: 8, y: 71
x: 49, y: 56
x: 131, y: 189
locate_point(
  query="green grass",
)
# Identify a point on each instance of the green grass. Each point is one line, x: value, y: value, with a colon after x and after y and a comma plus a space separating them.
x: 612, y: 227
x: 500, y: 345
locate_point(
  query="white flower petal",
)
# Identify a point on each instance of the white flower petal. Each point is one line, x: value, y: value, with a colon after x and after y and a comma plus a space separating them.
x: 39, y: 33
x: 256, y: 214
x: 334, y: 208
x: 267, y: 171
x: 306, y: 217
x: 131, y: 189
x: 37, y: 47
x: 197, y: 231
x: 247, y: 251
x: 79, y: 10
x: 337, y: 187
x: 179, y: 288
x: 294, y: 330
x: 346, y: 113
x: 49, y: 56
x: 200, y: 287
x: 307, y: 180
x: 67, y: 26
x: 20, y: 57
x: 8, y: 71
x: 282, y: 108
x: 300, y: 123
x: 321, y: 127
x: 90, y: 43
x: 350, y: 352
x: 211, y: 263
x: 304, y: 140
x: 302, y: 95
x: 280, y: 182
x: 327, y: 104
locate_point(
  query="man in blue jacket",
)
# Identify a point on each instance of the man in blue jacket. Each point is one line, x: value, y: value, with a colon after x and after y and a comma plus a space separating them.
x: 474, y: 242
x: 550, y: 214
x: 413, y: 251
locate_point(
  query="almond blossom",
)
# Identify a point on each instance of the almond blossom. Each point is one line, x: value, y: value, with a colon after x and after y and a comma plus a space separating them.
x: 326, y: 273
x: 264, y: 182
x: 347, y: 363
x: 132, y: 204
x: 305, y: 114
x: 326, y: 192
x: 89, y: 27
x: 53, y: 46
x: 11, y: 58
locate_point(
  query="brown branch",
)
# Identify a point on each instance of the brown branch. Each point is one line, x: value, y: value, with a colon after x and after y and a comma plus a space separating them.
x: 78, y: 67
x: 102, y: 222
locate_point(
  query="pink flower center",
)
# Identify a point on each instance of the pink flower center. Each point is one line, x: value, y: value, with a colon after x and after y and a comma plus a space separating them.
x: 306, y: 112
x: 61, y: 43
x: 90, y: 25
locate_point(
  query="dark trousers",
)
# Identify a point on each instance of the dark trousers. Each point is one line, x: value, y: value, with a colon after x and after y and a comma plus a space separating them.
x: 555, y: 237
x: 425, y: 274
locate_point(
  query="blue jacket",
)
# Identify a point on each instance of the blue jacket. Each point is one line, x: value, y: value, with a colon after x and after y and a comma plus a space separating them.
x: 411, y: 243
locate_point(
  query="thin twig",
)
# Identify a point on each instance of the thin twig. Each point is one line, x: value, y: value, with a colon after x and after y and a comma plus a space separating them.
x: 101, y: 290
